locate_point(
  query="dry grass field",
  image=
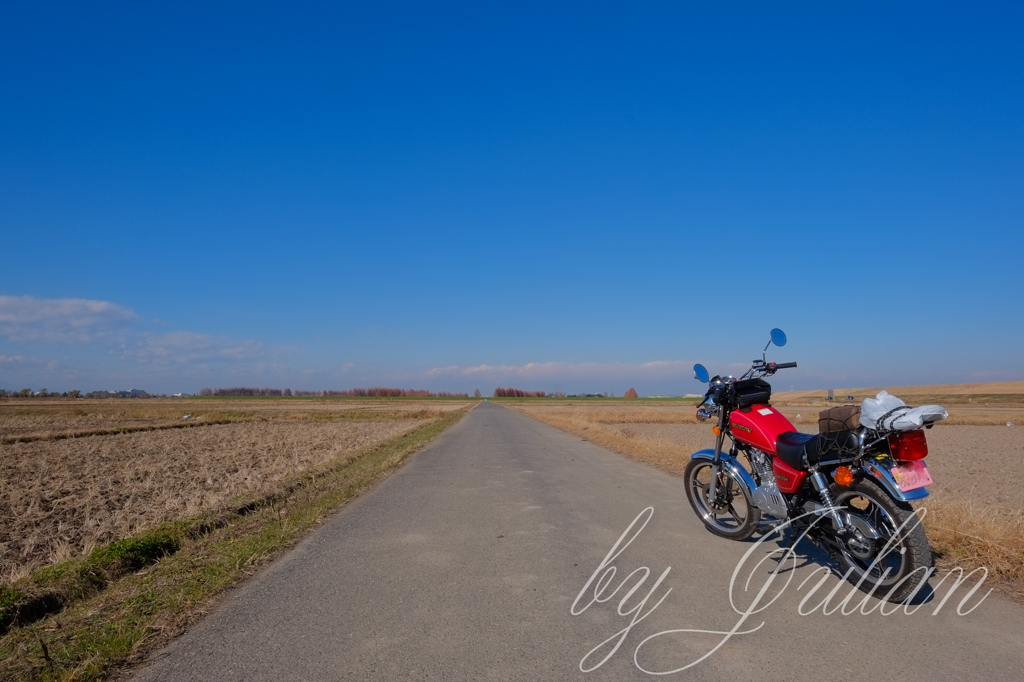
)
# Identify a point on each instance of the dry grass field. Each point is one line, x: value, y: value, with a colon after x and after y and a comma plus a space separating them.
x: 64, y: 492
x: 122, y: 522
x: 975, y: 513
x: 945, y: 394
x: 38, y: 419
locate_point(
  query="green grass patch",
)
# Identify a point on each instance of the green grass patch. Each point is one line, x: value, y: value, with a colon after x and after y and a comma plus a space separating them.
x: 10, y: 599
x: 50, y: 589
x: 131, y: 596
x: 133, y: 554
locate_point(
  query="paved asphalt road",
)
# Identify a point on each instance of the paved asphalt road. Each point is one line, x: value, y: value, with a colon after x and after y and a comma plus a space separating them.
x: 464, y: 566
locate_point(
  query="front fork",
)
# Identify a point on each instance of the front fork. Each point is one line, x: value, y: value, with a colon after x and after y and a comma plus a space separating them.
x: 716, y: 466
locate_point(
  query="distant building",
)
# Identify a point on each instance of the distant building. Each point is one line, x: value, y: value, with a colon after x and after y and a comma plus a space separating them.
x: 129, y: 393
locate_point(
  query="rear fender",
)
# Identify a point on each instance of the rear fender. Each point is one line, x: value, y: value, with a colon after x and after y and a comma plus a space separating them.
x: 884, y: 477
x: 734, y: 468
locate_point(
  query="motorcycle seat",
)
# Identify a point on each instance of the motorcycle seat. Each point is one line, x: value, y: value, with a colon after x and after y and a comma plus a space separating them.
x: 791, y: 447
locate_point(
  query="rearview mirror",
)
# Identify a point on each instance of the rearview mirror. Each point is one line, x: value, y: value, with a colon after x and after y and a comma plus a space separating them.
x: 778, y: 337
x: 700, y: 373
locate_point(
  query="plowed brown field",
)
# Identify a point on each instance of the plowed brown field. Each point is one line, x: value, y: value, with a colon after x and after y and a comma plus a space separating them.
x: 61, y: 496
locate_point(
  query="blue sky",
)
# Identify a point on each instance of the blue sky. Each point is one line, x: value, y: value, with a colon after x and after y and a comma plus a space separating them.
x: 572, y: 196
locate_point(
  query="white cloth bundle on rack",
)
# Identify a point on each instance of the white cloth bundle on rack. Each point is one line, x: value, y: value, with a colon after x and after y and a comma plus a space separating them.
x: 886, y: 412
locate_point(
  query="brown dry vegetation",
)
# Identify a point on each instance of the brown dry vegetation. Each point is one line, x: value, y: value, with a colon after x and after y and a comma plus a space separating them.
x: 90, y: 617
x: 995, y: 393
x: 975, y: 513
x: 30, y: 419
x: 61, y: 498
x: 64, y: 498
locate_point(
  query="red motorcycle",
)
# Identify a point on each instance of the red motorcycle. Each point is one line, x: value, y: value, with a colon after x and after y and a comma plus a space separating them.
x: 848, y: 489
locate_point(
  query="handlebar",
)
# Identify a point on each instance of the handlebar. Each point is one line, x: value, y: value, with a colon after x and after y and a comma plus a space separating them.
x: 784, y: 365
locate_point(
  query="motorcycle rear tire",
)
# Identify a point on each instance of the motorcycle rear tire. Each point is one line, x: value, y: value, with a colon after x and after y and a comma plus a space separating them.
x: 912, y: 544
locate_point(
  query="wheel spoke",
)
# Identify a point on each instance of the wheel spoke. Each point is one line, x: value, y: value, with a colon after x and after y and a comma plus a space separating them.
x: 877, y: 568
x: 720, y: 512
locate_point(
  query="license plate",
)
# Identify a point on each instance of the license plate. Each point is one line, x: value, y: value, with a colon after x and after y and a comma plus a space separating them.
x: 911, y: 476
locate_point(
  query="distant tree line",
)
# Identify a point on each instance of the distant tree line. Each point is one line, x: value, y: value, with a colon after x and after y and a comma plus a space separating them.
x: 41, y: 393
x: 242, y: 391
x: 375, y: 392
x: 516, y: 393
x: 45, y: 393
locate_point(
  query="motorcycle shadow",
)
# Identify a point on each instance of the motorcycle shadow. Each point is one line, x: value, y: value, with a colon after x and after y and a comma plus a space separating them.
x: 806, y: 553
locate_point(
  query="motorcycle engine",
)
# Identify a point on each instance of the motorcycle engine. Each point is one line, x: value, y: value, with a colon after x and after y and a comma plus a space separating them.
x: 767, y: 497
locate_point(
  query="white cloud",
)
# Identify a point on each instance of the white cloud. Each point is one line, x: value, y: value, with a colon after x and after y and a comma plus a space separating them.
x: 442, y: 371
x: 105, y: 342
x: 27, y: 319
x: 666, y: 377
x: 79, y: 321
x: 191, y: 348
x: 568, y: 371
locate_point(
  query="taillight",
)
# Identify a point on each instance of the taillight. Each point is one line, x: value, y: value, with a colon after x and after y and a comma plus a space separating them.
x: 908, y: 446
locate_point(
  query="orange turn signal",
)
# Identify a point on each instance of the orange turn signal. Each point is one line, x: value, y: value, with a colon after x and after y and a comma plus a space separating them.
x: 715, y: 430
x: 843, y: 476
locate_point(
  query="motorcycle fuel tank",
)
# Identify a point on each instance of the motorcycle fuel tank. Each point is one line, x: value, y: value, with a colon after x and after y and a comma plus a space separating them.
x: 760, y: 427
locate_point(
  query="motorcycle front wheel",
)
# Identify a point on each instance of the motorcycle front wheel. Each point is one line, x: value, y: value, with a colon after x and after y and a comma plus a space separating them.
x: 732, y: 513
x: 900, y: 549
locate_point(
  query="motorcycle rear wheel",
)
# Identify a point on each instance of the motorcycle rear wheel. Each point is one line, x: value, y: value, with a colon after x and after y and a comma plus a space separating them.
x: 908, y: 548
x: 733, y: 514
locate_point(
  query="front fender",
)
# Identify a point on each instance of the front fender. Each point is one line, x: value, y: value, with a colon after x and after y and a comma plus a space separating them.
x: 883, y: 476
x: 735, y: 469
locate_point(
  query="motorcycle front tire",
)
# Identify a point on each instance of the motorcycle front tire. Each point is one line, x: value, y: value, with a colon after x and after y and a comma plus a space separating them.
x: 725, y: 521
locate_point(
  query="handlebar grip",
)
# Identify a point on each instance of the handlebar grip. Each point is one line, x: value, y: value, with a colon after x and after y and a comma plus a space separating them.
x: 785, y: 365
